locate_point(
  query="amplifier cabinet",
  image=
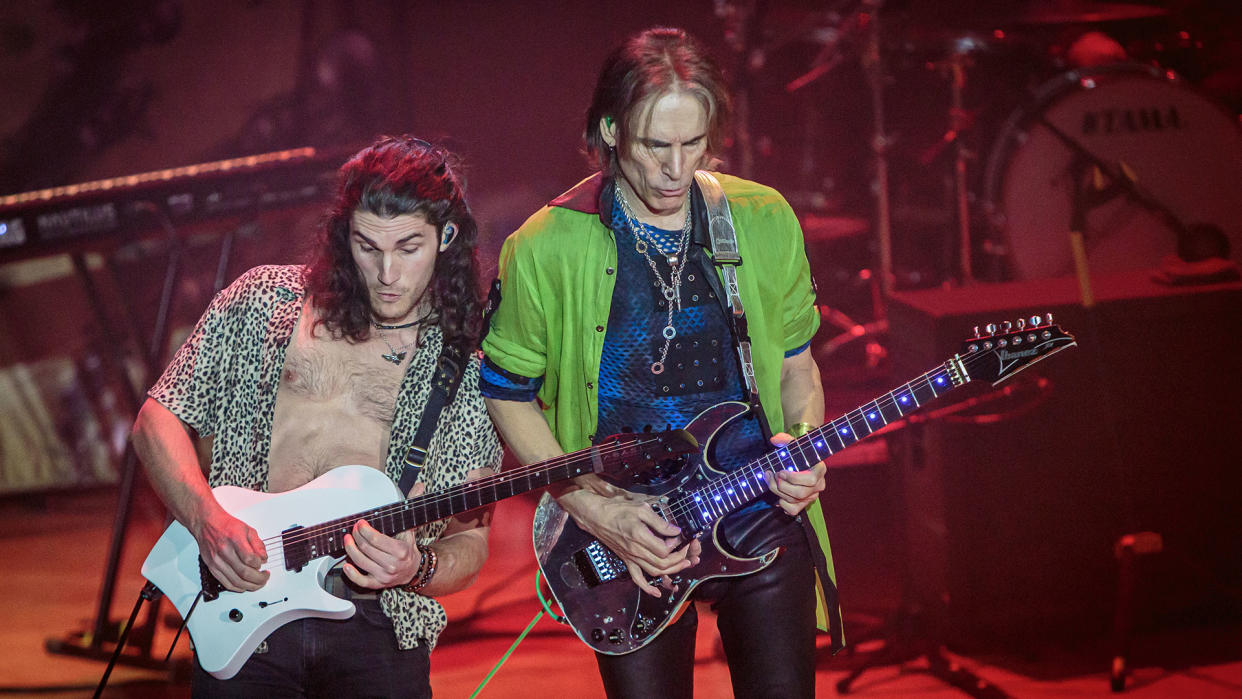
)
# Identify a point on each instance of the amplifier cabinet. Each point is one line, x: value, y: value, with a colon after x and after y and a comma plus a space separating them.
x: 1012, y: 522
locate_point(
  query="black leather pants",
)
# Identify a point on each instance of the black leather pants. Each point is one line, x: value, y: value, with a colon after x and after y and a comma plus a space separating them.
x: 766, y: 622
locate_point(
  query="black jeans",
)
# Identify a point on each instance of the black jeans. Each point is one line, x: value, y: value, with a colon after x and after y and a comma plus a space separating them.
x: 766, y: 622
x: 355, y: 657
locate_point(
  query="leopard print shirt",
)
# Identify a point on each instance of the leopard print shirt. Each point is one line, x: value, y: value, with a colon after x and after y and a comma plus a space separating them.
x: 223, y: 380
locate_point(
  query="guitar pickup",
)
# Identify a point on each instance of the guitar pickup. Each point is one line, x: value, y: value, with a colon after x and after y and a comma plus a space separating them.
x: 598, y: 564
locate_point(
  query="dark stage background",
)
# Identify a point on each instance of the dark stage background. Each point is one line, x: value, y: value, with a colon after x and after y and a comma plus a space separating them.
x: 90, y: 91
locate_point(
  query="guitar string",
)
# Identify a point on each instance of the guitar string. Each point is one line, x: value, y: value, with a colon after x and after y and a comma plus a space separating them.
x: 464, y: 489
x: 726, y: 486
x: 460, y: 491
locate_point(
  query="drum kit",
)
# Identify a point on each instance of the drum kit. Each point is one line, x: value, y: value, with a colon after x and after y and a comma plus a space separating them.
x: 1001, y: 127
x: 997, y: 129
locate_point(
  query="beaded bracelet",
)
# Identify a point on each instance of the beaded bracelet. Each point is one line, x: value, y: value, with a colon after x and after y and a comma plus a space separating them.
x: 426, y: 569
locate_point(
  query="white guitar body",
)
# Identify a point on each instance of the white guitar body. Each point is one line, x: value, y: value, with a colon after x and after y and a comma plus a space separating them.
x: 225, y: 631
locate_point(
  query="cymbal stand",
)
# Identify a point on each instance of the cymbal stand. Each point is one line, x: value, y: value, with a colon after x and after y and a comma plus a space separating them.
x: 959, y: 121
x: 877, y: 79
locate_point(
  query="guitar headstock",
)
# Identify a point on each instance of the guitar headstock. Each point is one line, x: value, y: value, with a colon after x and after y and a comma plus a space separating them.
x: 632, y: 453
x: 999, y: 352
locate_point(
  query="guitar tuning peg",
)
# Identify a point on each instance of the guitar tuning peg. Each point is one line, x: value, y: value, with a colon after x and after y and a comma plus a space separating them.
x: 1021, y: 324
x: 1035, y: 321
x: 990, y: 328
x: 1048, y: 318
x: 976, y: 332
x: 1008, y: 326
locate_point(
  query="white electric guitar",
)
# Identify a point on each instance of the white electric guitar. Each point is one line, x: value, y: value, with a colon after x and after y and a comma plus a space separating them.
x: 304, y: 531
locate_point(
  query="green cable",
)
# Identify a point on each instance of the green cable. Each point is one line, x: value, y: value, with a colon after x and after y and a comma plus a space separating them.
x: 521, y: 636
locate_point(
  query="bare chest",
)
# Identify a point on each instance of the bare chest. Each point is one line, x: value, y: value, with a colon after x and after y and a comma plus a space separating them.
x: 334, y: 407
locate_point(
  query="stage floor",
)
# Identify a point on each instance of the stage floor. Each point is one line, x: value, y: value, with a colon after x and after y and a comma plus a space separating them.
x: 54, y: 546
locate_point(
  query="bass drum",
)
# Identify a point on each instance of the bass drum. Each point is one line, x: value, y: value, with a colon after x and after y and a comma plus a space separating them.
x: 1183, y: 150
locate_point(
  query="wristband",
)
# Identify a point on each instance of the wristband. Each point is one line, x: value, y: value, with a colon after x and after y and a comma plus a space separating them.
x: 799, y: 429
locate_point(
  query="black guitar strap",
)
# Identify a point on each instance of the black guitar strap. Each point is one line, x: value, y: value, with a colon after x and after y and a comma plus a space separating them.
x: 444, y: 383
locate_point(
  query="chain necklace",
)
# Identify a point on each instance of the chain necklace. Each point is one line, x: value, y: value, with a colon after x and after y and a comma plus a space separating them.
x: 396, y: 355
x: 676, y: 264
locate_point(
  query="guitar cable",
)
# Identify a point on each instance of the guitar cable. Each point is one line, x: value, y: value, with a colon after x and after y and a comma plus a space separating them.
x: 545, y: 609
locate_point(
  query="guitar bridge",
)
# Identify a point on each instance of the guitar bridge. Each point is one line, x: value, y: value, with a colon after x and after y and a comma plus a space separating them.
x: 598, y: 564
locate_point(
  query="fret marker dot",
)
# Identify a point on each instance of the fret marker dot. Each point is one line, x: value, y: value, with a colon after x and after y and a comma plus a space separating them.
x: 705, y: 516
x: 905, y: 399
x: 940, y: 379
x: 871, y: 415
x: 729, y: 491
x: 845, y: 430
x: 717, y: 498
x: 820, y: 443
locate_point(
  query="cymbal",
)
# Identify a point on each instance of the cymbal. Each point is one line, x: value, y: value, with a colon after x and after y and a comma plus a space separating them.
x: 1002, y: 14
x: 819, y: 228
x: 1083, y: 13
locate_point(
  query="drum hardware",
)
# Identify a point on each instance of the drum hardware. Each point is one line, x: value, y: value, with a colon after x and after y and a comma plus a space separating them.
x: 1160, y: 152
x: 1072, y: 12
x: 958, y: 122
x: 873, y: 68
x: 1107, y: 181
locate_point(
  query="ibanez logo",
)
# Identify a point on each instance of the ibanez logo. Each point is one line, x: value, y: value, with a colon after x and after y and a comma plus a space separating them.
x: 1006, y: 355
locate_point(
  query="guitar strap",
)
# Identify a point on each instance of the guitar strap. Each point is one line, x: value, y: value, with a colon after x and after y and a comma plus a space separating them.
x: 444, y: 383
x: 726, y: 256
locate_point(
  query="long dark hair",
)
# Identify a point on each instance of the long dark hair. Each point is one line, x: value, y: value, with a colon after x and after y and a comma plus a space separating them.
x: 399, y: 175
x: 651, y: 63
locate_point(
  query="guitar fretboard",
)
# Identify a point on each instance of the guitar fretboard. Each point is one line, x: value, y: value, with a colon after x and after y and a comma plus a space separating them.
x: 302, y: 544
x: 701, y: 507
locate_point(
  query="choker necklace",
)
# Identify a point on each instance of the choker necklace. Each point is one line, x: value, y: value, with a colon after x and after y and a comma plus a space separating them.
x: 396, y: 355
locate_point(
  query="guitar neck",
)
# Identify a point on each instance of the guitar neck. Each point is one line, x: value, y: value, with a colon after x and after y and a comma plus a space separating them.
x: 737, y: 488
x: 866, y: 419
x: 303, y: 544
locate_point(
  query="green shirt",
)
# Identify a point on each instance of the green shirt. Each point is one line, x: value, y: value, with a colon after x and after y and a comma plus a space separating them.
x: 557, y: 274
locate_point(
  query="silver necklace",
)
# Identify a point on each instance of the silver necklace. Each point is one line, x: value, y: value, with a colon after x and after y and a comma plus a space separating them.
x: 396, y: 355
x: 676, y: 263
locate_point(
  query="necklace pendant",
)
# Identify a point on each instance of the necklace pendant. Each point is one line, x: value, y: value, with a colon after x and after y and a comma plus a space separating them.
x: 394, y: 357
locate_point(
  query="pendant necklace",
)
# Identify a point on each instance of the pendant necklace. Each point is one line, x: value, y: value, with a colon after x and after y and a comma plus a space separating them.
x: 676, y: 263
x: 396, y: 355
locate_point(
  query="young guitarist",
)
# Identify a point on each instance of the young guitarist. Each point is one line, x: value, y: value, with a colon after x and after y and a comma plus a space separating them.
x: 612, y: 314
x: 293, y: 371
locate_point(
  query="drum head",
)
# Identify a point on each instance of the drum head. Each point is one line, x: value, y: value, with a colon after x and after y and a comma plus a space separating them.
x: 1181, y: 148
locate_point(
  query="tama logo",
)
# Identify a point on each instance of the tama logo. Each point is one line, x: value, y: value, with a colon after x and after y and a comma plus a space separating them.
x: 1006, y: 355
x: 1136, y: 120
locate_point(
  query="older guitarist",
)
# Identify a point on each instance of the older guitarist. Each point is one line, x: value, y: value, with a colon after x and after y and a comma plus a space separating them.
x: 611, y: 318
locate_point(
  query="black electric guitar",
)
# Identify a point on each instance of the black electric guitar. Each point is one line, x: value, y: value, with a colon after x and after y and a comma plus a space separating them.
x: 591, y: 583
x: 304, y: 531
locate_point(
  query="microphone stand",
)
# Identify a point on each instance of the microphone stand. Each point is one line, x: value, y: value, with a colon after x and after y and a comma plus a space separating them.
x: 1120, y: 182
x: 1132, y: 541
